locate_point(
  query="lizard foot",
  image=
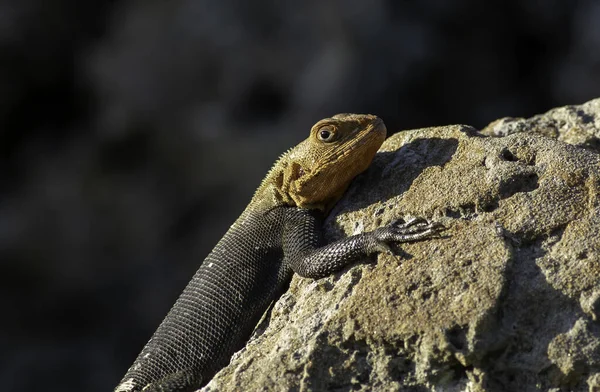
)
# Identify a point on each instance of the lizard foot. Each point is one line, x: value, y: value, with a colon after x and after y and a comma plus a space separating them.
x: 413, y: 230
x: 401, y: 231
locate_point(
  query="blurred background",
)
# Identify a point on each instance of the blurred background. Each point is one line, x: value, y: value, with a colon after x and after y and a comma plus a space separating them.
x: 132, y: 134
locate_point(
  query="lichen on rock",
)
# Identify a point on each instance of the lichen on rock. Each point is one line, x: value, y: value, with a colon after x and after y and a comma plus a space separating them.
x: 507, y: 299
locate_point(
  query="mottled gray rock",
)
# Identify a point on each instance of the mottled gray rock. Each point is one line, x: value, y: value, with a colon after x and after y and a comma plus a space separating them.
x: 508, y: 299
x: 578, y: 125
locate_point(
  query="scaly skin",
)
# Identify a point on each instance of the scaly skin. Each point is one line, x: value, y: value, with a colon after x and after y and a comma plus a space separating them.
x: 277, y: 235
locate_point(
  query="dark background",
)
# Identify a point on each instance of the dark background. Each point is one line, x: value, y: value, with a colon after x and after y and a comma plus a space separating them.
x: 133, y: 133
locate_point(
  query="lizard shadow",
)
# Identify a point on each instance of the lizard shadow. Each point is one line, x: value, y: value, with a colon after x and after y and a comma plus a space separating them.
x: 393, y: 172
x: 390, y: 175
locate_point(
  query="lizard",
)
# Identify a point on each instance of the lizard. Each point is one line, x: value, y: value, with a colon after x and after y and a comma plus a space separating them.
x: 278, y: 234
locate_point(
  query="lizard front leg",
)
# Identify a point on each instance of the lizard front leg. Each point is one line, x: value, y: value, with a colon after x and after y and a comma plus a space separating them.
x: 399, y: 231
x: 305, y: 253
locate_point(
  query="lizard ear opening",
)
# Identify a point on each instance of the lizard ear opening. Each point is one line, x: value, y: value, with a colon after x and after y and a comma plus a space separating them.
x: 287, y: 179
x: 293, y: 174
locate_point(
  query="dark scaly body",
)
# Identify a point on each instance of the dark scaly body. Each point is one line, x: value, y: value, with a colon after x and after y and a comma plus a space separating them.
x: 218, y: 309
x: 278, y: 234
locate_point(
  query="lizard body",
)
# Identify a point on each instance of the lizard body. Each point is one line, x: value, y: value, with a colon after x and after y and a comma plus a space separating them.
x: 278, y: 234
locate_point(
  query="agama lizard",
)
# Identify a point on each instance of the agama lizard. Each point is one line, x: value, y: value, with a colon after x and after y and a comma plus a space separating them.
x: 278, y: 234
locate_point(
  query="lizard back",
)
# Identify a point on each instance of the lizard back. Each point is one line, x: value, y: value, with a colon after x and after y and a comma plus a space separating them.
x: 218, y: 309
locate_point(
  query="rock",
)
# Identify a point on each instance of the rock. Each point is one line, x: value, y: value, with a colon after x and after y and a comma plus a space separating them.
x: 577, y: 125
x: 507, y: 299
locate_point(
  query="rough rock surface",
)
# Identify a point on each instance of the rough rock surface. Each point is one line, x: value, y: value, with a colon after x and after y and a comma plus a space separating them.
x: 577, y: 125
x: 508, y: 299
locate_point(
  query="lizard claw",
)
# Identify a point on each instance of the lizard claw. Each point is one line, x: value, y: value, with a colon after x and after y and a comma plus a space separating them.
x: 410, y: 222
x: 414, y: 229
x: 400, y: 224
x: 399, y: 231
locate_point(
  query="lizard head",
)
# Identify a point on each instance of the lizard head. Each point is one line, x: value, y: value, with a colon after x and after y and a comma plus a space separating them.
x: 316, y: 173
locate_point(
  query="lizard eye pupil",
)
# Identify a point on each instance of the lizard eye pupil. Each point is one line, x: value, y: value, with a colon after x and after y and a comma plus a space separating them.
x: 326, y: 134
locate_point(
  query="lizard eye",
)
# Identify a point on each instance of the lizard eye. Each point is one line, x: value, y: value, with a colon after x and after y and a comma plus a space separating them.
x: 326, y: 134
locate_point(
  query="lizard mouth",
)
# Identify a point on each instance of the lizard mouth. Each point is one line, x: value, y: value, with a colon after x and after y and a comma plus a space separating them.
x: 377, y: 122
x: 374, y: 134
x: 379, y: 127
